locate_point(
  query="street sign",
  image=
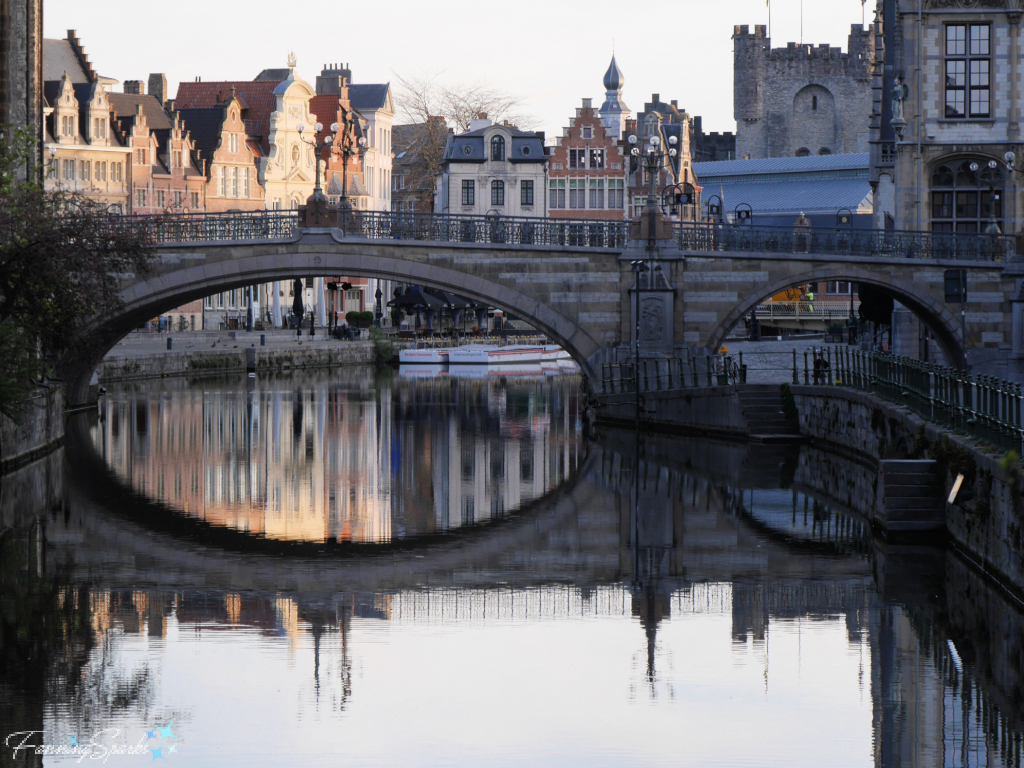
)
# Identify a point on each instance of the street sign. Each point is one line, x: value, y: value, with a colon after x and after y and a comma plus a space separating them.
x: 956, y: 285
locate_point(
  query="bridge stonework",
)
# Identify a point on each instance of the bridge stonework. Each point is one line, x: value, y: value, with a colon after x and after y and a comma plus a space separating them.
x: 581, y: 296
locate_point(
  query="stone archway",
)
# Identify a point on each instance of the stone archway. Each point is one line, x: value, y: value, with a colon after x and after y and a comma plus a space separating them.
x: 939, y: 318
x: 160, y: 293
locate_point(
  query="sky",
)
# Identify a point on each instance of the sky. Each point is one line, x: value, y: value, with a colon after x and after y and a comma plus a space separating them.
x: 549, y: 54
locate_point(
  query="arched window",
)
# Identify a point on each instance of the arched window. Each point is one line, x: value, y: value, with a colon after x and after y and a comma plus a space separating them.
x: 803, y: 152
x: 824, y: 151
x: 498, y: 148
x: 497, y: 193
x: 966, y: 195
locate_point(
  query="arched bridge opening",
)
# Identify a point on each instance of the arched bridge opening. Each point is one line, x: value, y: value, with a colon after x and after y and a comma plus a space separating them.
x: 939, y: 318
x: 161, y: 292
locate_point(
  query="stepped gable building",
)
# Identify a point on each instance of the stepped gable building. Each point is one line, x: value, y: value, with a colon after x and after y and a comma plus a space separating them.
x: 587, y: 169
x: 21, y: 68
x: 83, y: 152
x: 225, y: 157
x: 164, y: 175
x: 801, y: 100
x: 493, y: 169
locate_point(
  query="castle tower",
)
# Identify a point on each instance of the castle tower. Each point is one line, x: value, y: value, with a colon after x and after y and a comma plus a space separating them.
x: 803, y: 99
x: 614, y: 112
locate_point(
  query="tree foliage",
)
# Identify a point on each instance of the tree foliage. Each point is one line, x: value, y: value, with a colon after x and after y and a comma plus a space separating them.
x: 61, y: 259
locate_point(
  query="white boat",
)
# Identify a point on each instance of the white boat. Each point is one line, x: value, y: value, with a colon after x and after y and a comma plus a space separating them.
x: 554, y: 353
x: 423, y: 356
x: 483, y: 355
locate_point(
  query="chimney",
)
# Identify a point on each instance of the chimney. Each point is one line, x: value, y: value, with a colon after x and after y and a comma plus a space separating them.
x: 135, y: 86
x: 158, y: 87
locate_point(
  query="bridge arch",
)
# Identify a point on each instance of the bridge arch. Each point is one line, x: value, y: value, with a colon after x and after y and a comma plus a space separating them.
x: 262, y: 263
x: 937, y: 316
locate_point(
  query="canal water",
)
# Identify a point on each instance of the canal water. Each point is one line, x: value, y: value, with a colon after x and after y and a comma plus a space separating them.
x: 351, y: 568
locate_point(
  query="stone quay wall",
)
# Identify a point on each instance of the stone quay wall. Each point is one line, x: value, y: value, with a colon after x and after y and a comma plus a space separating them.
x: 986, y: 522
x: 146, y: 365
x: 39, y: 430
x: 843, y: 477
x: 711, y: 411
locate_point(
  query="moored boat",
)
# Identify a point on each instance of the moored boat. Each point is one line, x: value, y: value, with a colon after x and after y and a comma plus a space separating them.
x: 484, y: 355
x: 438, y: 356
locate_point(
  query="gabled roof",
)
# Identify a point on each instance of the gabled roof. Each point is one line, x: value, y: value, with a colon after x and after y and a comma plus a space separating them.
x: 258, y: 94
x: 369, y: 97
x: 204, y: 125
x: 124, y: 105
x: 58, y: 58
x: 470, y: 147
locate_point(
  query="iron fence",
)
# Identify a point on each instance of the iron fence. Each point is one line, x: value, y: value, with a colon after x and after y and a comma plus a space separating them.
x: 983, y: 407
x: 881, y: 244
x: 662, y: 375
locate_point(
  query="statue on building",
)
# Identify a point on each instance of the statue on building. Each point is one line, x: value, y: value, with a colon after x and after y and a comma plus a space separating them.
x: 900, y: 93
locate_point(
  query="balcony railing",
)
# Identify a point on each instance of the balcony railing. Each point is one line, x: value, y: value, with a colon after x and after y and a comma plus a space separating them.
x: 882, y: 244
x: 805, y: 310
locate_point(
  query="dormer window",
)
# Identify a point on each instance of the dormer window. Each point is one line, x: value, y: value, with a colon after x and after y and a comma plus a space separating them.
x: 99, y: 128
x: 67, y: 125
x: 498, y: 148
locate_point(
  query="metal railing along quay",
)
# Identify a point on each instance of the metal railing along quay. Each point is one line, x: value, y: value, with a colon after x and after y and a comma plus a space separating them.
x: 982, y: 407
x: 662, y: 375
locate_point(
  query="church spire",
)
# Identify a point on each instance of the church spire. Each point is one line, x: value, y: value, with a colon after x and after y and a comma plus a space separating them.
x: 613, y: 112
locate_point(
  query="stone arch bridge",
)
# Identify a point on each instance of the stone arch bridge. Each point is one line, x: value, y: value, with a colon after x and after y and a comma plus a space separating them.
x: 573, y: 280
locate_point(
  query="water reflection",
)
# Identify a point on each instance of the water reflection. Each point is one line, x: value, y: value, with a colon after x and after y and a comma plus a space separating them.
x: 342, y: 456
x: 672, y: 609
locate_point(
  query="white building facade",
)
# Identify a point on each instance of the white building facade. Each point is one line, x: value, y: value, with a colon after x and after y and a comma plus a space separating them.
x: 493, y: 169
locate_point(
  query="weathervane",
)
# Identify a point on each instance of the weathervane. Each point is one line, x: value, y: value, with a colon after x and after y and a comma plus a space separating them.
x: 292, y: 61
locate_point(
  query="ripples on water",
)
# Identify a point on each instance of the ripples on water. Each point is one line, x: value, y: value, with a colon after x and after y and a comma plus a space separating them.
x: 525, y: 605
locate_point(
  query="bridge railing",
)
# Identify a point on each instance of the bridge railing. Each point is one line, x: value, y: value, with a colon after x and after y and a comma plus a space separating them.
x: 213, y: 227
x: 804, y: 310
x: 492, y: 230
x: 693, y: 236
x: 983, y: 407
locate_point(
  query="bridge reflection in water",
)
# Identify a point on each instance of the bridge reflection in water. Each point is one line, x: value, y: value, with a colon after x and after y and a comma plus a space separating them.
x: 813, y: 642
x: 342, y: 457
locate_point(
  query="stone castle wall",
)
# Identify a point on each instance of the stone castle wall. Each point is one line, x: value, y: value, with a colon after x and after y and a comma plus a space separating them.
x: 800, y: 99
x: 21, y: 66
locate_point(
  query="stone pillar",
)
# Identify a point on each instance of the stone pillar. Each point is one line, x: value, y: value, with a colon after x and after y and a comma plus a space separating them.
x: 276, y: 318
x: 657, y: 319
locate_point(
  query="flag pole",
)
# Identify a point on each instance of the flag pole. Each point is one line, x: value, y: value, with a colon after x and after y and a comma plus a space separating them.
x: 769, y: 4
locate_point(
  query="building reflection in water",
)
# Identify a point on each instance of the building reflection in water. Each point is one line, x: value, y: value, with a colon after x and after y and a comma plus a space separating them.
x: 343, y: 456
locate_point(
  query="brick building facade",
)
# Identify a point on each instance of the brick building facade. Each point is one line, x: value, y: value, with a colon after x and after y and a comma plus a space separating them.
x: 587, y: 170
x: 800, y: 100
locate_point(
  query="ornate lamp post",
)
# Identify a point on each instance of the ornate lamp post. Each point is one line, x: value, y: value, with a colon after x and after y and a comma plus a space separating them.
x: 318, y: 147
x: 652, y: 159
x: 347, y: 144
